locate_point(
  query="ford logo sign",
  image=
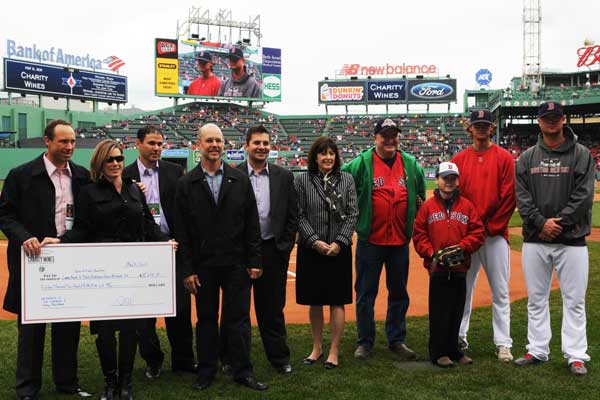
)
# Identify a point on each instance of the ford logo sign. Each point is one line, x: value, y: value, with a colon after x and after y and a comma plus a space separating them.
x: 431, y: 90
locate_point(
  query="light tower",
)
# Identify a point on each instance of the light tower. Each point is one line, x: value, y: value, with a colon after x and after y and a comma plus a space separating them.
x: 219, y: 27
x: 532, y: 49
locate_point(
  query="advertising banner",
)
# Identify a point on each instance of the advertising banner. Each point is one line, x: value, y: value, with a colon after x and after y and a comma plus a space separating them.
x: 386, y: 91
x: 216, y: 70
x: 50, y: 80
x: 431, y: 90
x: 348, y: 92
x: 167, y: 66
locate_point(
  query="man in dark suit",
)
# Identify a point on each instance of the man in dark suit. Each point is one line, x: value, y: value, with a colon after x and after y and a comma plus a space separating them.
x: 278, y: 215
x: 219, y: 243
x: 37, y: 202
x: 160, y: 180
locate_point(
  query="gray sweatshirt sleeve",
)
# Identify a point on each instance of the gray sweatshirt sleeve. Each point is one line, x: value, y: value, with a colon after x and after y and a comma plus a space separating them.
x: 582, y: 197
x: 527, y: 208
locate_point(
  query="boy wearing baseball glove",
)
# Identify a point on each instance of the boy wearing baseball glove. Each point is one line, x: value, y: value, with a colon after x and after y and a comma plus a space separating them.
x: 447, y: 231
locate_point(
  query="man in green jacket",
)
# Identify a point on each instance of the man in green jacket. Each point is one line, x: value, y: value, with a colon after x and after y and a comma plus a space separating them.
x: 390, y: 186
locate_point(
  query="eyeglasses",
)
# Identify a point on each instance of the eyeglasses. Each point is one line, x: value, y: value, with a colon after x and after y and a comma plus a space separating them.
x: 115, y: 158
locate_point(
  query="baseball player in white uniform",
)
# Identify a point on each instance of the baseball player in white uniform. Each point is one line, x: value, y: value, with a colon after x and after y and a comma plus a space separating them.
x: 555, y: 193
x: 487, y: 180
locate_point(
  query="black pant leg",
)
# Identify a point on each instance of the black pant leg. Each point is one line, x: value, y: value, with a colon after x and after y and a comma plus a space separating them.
x: 181, y: 337
x: 127, y: 349
x: 179, y: 327
x: 149, y: 343
x: 269, y: 302
x: 207, y: 327
x: 65, y: 345
x: 459, y: 293
x: 30, y: 357
x: 106, y: 344
x: 440, y: 294
x: 236, y: 312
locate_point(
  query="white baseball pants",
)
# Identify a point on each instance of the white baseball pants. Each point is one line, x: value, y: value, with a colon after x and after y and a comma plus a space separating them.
x: 571, y: 264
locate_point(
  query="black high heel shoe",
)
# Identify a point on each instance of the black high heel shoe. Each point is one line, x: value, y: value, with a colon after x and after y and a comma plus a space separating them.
x: 311, y: 361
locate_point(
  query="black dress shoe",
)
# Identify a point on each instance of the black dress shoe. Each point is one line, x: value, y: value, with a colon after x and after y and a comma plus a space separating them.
x: 252, y: 383
x: 77, y: 392
x: 202, y: 383
x: 227, y: 369
x: 190, y: 368
x: 153, y: 372
x: 283, y: 369
x: 311, y: 361
x: 329, y: 365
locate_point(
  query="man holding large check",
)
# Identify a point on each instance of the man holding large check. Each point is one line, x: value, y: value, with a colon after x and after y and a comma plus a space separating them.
x: 37, y: 201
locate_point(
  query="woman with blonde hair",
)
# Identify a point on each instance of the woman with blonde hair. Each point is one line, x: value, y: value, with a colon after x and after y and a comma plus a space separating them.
x: 112, y: 209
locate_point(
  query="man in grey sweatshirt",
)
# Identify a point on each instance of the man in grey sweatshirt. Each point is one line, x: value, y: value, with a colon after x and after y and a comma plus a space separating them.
x: 241, y: 84
x: 555, y: 192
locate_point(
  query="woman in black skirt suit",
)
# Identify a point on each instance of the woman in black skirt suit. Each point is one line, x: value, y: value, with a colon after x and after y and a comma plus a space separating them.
x: 327, y: 212
x: 113, y: 209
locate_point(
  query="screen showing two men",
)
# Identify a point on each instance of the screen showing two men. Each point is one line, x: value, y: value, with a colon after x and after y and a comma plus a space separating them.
x: 202, y: 69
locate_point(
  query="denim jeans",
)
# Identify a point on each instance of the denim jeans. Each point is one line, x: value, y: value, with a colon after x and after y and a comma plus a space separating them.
x: 369, y: 261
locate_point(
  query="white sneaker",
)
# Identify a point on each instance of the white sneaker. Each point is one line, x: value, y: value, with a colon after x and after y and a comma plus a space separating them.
x: 504, y: 354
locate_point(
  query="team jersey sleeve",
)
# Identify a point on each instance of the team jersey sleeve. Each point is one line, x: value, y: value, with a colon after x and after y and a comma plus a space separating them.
x: 475, y: 232
x: 498, y: 221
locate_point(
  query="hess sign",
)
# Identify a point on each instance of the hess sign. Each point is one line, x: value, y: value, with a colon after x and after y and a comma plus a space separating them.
x: 588, y: 56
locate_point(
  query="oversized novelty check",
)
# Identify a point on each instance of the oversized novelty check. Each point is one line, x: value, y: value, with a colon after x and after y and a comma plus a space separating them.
x: 98, y: 281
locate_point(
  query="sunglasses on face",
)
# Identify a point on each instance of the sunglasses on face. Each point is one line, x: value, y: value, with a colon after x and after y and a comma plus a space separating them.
x: 115, y: 158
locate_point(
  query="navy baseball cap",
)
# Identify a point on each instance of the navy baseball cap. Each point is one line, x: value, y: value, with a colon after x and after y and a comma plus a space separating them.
x: 235, y: 53
x: 204, y: 56
x: 550, y: 107
x: 386, y: 125
x: 481, y: 116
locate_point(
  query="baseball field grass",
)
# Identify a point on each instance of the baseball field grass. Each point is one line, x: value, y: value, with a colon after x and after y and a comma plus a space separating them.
x: 380, y: 377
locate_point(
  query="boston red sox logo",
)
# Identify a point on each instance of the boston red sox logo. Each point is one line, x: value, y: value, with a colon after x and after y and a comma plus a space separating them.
x: 550, y: 106
x: 480, y: 114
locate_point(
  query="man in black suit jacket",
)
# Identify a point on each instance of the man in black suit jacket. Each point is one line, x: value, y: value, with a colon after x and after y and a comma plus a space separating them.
x: 219, y: 243
x: 160, y: 179
x: 278, y: 215
x: 32, y: 207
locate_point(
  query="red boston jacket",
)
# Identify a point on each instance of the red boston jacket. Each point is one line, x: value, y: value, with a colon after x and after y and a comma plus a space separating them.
x: 437, y: 228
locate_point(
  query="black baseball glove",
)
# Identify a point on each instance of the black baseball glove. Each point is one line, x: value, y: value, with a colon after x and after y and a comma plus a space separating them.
x: 449, y: 257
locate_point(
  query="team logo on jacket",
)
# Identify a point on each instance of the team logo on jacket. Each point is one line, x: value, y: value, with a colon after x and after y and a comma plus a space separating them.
x: 550, y: 167
x: 454, y: 216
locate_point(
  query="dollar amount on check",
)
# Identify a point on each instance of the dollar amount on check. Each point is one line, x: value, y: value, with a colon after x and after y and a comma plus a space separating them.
x: 98, y: 281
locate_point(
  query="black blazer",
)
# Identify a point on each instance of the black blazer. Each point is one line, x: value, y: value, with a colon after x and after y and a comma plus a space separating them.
x: 284, y: 206
x: 104, y: 215
x: 168, y: 174
x: 27, y: 209
x: 216, y: 235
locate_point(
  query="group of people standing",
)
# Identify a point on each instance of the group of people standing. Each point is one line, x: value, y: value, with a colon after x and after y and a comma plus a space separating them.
x: 234, y: 229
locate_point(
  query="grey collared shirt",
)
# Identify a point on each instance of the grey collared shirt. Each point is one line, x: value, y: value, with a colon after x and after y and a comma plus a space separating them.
x: 260, y: 184
x: 214, y: 181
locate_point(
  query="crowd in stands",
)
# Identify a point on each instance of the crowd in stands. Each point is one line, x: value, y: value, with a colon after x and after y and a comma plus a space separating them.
x: 430, y: 138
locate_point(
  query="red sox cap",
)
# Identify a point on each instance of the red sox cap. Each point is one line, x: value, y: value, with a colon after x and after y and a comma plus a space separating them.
x: 550, y: 107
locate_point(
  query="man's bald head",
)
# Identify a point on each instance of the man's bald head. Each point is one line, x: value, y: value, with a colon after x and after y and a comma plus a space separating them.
x: 209, y: 129
x: 211, y: 143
